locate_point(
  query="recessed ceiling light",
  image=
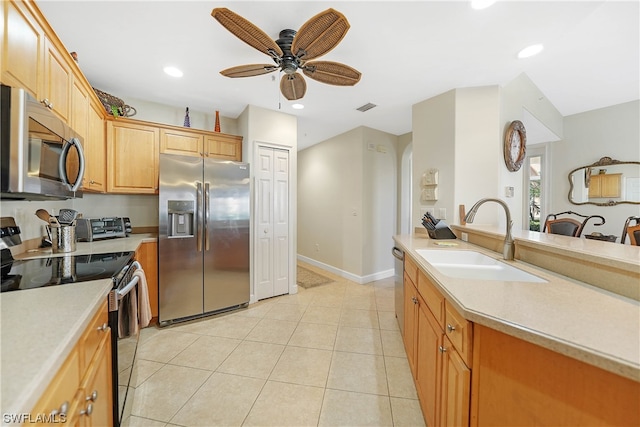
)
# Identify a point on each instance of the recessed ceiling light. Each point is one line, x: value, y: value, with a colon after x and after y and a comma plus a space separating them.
x: 481, y: 4
x: 173, y: 71
x: 297, y: 106
x: 530, y: 51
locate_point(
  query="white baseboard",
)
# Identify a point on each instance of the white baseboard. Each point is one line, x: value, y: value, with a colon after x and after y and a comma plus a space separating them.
x: 350, y: 276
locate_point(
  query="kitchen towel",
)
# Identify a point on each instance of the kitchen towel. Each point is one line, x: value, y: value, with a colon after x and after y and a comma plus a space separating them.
x: 144, y: 312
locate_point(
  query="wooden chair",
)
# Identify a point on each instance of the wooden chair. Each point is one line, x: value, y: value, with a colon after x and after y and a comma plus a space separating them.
x: 568, y: 226
x: 632, y: 230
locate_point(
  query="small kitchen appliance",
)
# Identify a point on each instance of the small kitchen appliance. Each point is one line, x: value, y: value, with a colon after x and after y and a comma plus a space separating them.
x: 91, y: 229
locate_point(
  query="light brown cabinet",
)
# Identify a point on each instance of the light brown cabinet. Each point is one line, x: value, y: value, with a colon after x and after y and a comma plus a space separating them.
x: 22, y: 48
x: 438, y: 341
x: 147, y: 256
x: 522, y: 384
x: 605, y: 185
x: 95, y: 151
x: 56, y: 82
x: 80, y: 392
x: 198, y: 143
x: 132, y: 157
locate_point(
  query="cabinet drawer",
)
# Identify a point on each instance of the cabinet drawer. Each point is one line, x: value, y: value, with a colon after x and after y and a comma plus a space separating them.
x: 432, y: 297
x: 460, y: 332
x: 411, y: 268
x: 60, y: 396
x: 93, y: 335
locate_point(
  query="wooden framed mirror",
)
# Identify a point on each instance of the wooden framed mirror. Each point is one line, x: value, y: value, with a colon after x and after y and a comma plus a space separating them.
x: 607, y: 182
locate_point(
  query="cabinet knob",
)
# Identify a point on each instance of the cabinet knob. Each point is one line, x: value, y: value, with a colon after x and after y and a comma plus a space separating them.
x: 93, y: 396
x: 47, y: 103
x: 414, y: 299
x: 103, y: 328
x: 442, y: 349
x: 450, y: 328
x: 87, y: 411
x: 62, y: 410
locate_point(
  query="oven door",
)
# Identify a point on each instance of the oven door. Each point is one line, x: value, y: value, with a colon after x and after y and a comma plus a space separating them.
x: 123, y: 319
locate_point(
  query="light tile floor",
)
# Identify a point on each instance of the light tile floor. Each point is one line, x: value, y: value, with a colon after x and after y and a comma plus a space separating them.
x: 331, y: 355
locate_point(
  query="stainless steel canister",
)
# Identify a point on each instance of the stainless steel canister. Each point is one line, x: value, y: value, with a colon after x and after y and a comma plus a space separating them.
x: 63, y: 238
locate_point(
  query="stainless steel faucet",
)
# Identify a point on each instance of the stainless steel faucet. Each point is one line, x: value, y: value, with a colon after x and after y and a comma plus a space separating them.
x: 508, y: 251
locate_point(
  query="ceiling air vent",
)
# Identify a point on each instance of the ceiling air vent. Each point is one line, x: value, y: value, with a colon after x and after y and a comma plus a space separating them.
x: 366, y: 107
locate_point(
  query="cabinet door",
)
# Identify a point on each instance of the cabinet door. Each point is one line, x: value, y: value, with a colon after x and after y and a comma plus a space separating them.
x: 96, y: 401
x: 224, y: 147
x: 410, y: 321
x: 429, y: 362
x: 132, y: 154
x: 59, y: 402
x: 181, y: 142
x: 456, y: 388
x: 95, y: 151
x: 610, y: 186
x: 57, y: 82
x: 147, y: 255
x: 22, y: 49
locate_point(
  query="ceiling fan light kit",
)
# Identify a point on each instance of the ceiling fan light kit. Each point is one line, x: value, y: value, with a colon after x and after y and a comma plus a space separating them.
x: 292, y: 50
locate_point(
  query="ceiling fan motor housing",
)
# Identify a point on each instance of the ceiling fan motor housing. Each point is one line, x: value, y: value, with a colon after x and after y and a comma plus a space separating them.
x: 288, y: 63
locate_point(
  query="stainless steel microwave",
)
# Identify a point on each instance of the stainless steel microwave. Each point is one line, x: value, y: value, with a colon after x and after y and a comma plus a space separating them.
x: 41, y: 157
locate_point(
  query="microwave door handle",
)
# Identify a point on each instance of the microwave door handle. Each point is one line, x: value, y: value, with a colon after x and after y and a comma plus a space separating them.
x: 62, y: 164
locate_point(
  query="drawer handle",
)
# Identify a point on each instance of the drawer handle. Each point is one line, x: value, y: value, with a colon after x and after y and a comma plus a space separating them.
x: 442, y: 349
x: 103, y: 328
x: 93, y: 396
x: 87, y: 411
x: 62, y: 410
x: 450, y: 327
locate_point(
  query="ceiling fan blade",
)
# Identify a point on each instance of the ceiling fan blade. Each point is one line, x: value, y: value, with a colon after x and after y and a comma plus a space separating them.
x: 246, y: 31
x: 319, y: 34
x: 333, y: 73
x: 293, y: 86
x: 248, y: 70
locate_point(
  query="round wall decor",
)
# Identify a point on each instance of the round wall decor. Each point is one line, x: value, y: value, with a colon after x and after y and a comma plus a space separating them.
x: 515, y: 145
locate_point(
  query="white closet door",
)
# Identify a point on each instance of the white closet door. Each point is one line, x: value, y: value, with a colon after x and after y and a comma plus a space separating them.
x: 272, y: 257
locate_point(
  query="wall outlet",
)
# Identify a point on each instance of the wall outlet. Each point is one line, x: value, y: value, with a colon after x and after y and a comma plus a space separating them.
x: 317, y: 247
x: 442, y: 213
x: 431, y: 211
x: 464, y: 237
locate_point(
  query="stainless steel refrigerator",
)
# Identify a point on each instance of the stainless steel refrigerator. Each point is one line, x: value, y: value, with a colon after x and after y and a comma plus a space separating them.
x: 203, y: 244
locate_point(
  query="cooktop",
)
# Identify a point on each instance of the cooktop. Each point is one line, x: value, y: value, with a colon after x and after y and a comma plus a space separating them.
x: 40, y: 272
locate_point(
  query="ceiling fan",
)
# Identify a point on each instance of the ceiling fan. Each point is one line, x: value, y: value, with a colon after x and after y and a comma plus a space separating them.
x: 292, y: 50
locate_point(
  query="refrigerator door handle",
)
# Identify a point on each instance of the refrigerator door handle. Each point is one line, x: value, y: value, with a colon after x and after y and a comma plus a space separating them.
x: 200, y: 209
x: 207, y: 206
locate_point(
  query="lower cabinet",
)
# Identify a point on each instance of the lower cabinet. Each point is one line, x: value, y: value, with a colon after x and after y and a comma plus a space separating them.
x: 147, y: 256
x: 80, y: 392
x: 437, y: 354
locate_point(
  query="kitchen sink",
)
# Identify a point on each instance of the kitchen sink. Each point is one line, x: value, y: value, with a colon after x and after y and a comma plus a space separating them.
x: 474, y: 265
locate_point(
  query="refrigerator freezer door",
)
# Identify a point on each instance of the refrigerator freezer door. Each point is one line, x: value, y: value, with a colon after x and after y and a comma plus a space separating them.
x: 179, y: 255
x: 226, y: 255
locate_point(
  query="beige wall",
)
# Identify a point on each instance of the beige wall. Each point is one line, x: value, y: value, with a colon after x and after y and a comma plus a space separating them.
x: 347, y: 203
x: 614, y: 132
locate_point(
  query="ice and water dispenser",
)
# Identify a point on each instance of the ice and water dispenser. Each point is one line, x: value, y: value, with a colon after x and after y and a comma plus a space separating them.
x: 181, y: 213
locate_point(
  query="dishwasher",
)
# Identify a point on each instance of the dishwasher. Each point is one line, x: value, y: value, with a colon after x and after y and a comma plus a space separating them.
x: 398, y: 276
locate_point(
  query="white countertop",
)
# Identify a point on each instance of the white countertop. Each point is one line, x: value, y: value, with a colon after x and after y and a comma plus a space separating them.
x: 124, y: 244
x: 39, y: 327
x: 564, y: 315
x: 38, y: 330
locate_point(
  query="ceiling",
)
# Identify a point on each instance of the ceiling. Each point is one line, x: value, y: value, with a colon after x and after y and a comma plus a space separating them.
x: 407, y: 52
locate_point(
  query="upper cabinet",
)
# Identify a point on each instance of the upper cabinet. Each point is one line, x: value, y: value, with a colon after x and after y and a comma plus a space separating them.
x: 57, y: 80
x: 22, y: 48
x: 199, y: 143
x: 132, y: 157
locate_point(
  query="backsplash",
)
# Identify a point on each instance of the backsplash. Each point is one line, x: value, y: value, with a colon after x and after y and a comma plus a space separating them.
x: 141, y: 209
